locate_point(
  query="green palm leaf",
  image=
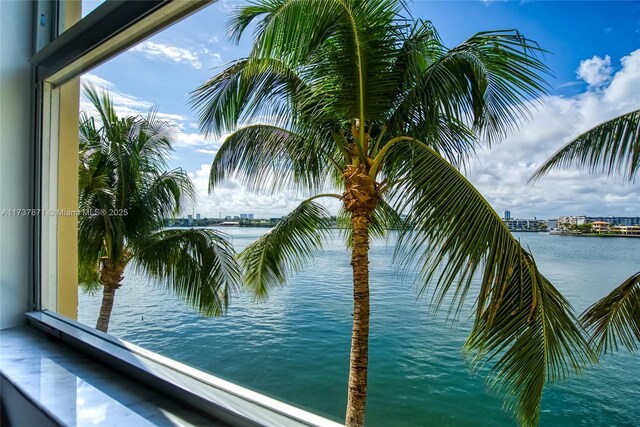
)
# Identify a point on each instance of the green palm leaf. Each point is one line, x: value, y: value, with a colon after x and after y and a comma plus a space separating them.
x: 166, y: 194
x: 248, y: 88
x: 522, y: 322
x: 485, y: 81
x: 270, y: 158
x: 612, y: 147
x: 615, y: 319
x: 196, y: 264
x: 284, y: 249
x: 344, y: 48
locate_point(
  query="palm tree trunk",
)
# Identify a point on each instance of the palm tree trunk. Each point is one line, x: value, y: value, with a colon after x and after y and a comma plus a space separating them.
x: 110, y: 277
x: 360, y: 199
x: 357, y: 394
x: 108, y: 295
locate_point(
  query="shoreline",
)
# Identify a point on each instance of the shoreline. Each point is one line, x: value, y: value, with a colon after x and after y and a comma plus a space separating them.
x: 636, y: 236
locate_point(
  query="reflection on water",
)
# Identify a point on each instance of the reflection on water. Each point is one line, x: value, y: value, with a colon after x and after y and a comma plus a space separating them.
x: 295, y: 346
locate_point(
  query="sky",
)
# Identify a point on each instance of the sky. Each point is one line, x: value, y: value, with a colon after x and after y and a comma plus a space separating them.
x: 593, y: 52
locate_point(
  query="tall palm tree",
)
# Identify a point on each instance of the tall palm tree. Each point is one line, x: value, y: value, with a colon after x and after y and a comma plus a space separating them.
x: 612, y: 147
x: 125, y: 192
x: 349, y: 95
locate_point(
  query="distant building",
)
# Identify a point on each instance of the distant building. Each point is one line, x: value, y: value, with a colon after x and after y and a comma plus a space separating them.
x: 599, y: 226
x: 525, y: 224
x: 616, y: 220
x: 552, y: 224
x: 246, y: 216
x: 612, y: 220
x: 197, y: 216
x: 507, y: 215
x: 631, y: 230
x: 565, y: 221
x: 189, y: 219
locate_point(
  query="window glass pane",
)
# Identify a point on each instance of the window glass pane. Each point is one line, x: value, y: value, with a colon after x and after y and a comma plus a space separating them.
x: 71, y: 11
x: 89, y: 5
x: 113, y: 181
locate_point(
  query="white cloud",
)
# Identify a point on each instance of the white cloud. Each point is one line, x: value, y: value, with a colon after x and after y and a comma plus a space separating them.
x: 98, y: 82
x: 216, y: 58
x: 501, y: 173
x: 173, y: 53
x: 128, y: 105
x: 177, y: 119
x: 123, y: 103
x: 595, y: 71
x: 192, y: 140
x: 568, y: 84
x: 624, y: 90
x: 205, y: 151
x: 231, y: 198
x: 228, y: 5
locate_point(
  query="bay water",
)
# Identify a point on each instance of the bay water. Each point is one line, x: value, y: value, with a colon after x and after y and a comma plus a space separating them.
x: 295, y: 346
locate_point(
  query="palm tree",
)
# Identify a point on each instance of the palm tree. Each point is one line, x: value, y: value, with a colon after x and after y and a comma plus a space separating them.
x: 125, y: 192
x: 348, y: 95
x: 612, y: 147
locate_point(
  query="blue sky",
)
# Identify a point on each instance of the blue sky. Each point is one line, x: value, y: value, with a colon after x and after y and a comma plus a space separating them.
x: 569, y: 30
x: 587, y: 41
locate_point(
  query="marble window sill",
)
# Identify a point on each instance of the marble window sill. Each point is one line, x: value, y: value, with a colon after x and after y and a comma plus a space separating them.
x: 79, y: 376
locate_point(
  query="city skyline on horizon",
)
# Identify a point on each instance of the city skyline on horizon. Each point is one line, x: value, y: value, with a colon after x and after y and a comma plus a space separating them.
x: 198, y: 215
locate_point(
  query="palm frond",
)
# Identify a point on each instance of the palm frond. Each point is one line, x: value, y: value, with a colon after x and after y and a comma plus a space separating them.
x: 123, y: 177
x: 249, y: 88
x: 615, y: 319
x: 198, y: 265
x: 168, y: 193
x: 343, y: 49
x: 269, y: 158
x: 153, y: 140
x: 522, y: 322
x: 486, y: 82
x: 90, y: 250
x: 612, y: 147
x: 451, y: 138
x: 101, y: 101
x: 241, y: 17
x: 284, y: 249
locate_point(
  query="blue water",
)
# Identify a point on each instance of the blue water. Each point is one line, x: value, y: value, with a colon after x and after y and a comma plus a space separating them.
x: 295, y: 346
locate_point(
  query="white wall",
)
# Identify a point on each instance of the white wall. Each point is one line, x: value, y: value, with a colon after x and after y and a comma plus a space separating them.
x: 15, y: 157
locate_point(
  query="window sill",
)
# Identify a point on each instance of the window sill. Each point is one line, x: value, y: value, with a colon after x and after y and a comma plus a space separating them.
x: 163, y: 379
